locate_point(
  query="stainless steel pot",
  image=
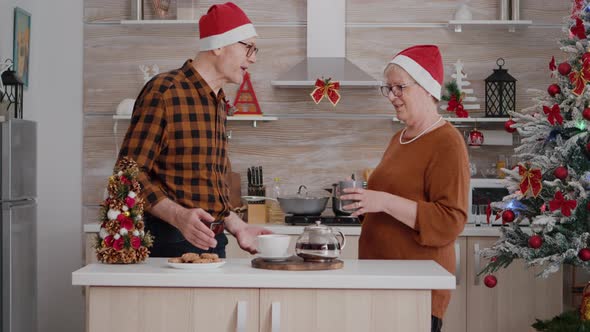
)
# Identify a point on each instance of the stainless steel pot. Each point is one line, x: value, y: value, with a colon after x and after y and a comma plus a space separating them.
x: 303, y: 203
x: 299, y: 204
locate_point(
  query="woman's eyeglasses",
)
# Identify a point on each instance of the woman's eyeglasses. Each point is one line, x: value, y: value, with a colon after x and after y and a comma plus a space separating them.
x: 397, y: 89
x: 251, y: 49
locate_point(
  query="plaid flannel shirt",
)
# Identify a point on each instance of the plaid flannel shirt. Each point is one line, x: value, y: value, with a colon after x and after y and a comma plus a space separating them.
x: 177, y: 137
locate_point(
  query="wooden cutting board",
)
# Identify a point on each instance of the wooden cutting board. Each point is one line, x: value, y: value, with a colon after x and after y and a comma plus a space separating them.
x: 295, y: 263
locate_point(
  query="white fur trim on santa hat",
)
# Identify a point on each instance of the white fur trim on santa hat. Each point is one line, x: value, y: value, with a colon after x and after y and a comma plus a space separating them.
x: 229, y: 37
x: 421, y: 75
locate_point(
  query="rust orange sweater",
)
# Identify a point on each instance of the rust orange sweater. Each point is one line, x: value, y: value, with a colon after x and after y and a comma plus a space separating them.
x: 434, y: 172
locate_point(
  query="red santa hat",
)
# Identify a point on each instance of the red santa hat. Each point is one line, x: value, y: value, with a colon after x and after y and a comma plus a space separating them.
x: 223, y: 25
x: 424, y: 64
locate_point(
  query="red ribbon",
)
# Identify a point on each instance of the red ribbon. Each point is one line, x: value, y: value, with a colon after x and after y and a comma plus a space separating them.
x: 456, y: 106
x: 328, y: 89
x: 559, y: 202
x: 552, y: 66
x: 580, y: 78
x: 577, y: 8
x: 579, y: 30
x: 553, y: 114
x: 531, y: 179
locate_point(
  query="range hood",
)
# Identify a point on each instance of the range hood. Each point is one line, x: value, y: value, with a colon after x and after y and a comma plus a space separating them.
x: 326, y: 48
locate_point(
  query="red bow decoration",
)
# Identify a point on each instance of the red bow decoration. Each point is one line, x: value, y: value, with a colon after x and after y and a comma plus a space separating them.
x: 531, y: 179
x: 326, y: 88
x: 553, y: 114
x: 456, y: 105
x: 580, y: 78
x: 559, y: 202
x: 579, y: 30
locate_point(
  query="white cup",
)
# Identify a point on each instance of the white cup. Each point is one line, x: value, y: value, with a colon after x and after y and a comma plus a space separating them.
x: 273, y: 245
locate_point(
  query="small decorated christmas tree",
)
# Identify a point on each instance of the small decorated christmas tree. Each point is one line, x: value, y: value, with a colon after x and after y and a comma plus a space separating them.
x: 459, y: 99
x: 122, y: 239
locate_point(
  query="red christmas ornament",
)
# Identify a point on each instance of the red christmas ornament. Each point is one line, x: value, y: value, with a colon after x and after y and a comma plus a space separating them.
x: 561, y: 172
x: 490, y: 281
x: 586, y: 114
x: 507, y: 216
x: 553, y: 90
x: 475, y: 138
x: 564, y: 68
x: 535, y: 241
x: 507, y: 125
x: 584, y: 254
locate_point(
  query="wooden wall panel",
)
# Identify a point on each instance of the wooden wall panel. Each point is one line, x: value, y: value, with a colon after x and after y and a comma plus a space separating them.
x: 315, y: 152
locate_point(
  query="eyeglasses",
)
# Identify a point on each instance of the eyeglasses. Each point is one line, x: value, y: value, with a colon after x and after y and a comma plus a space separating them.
x: 251, y: 49
x: 397, y: 89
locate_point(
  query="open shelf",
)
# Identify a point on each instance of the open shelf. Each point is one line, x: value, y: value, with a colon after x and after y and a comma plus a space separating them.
x: 253, y: 118
x: 511, y: 25
x: 470, y: 120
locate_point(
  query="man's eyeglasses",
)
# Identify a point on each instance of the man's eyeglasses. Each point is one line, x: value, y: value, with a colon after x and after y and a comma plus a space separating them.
x: 251, y: 49
x: 397, y: 89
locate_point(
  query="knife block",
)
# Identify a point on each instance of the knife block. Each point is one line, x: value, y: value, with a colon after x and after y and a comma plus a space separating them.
x: 257, y: 213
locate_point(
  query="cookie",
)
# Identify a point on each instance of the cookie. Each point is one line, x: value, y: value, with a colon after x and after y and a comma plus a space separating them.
x: 209, y: 256
x: 175, y: 260
x: 190, y: 257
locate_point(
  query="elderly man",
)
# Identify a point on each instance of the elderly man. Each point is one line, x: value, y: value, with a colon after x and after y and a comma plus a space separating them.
x: 178, y: 137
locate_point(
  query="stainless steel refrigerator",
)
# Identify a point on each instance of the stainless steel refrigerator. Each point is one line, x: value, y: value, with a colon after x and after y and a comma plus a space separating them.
x: 18, y: 220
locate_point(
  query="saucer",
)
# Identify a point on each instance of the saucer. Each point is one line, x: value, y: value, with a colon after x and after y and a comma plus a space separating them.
x: 275, y: 258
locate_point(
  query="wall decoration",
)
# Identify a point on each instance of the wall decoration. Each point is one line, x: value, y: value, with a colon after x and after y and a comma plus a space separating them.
x: 21, y: 44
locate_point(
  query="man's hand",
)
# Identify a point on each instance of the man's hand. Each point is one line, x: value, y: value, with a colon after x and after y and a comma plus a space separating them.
x: 188, y: 221
x: 246, y: 237
x: 244, y: 233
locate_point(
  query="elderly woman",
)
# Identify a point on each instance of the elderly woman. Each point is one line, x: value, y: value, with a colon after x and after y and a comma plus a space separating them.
x: 416, y: 202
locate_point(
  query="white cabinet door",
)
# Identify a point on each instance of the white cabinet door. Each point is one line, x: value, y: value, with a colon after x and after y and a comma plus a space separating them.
x: 516, y: 301
x: 148, y: 309
x: 455, y: 319
x: 344, y: 310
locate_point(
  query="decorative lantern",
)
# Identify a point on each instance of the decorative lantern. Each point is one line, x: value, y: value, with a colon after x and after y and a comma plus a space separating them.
x: 500, y: 92
x: 14, y: 91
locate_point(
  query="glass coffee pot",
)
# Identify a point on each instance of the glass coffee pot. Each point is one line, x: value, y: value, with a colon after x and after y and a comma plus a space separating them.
x: 319, y: 243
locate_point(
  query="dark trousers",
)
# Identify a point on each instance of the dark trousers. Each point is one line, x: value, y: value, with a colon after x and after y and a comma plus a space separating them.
x: 435, y: 324
x: 169, y: 242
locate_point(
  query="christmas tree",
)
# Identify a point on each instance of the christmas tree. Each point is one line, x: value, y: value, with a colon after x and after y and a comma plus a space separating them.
x: 122, y: 238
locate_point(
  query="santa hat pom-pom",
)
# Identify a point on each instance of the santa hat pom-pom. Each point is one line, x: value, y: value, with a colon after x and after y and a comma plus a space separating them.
x: 117, y: 236
x: 113, y: 214
x: 132, y: 194
x: 123, y: 231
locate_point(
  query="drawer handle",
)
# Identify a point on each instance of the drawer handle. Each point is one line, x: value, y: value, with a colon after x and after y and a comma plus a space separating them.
x: 458, y: 263
x: 275, y: 317
x: 476, y: 266
x: 242, y: 316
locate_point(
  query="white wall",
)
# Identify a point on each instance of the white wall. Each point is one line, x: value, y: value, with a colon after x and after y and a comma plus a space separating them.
x: 54, y: 100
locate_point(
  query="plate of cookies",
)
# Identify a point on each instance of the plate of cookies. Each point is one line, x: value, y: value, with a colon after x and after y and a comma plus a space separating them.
x: 194, y: 261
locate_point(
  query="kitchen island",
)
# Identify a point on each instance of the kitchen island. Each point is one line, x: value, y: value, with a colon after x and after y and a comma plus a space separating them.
x: 365, y: 295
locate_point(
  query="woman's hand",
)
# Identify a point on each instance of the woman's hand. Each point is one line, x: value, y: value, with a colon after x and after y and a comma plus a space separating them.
x: 366, y: 200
